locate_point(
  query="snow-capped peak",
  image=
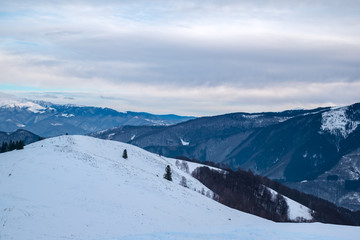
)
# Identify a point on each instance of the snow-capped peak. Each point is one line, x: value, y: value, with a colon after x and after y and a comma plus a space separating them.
x: 30, y: 106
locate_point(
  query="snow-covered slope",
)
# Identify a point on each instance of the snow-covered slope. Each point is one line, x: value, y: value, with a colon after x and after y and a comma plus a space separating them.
x: 189, y: 167
x: 21, y: 103
x: 296, y: 212
x: 76, y: 187
x: 336, y: 122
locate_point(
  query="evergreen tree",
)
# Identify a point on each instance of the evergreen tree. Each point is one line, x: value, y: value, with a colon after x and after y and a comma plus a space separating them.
x: 168, y: 173
x: 12, y: 146
x: 3, y: 147
x: 125, y: 156
x: 19, y: 145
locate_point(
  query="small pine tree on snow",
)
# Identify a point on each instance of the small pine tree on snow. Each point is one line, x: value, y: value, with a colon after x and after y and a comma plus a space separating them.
x: 167, y: 174
x: 125, y: 156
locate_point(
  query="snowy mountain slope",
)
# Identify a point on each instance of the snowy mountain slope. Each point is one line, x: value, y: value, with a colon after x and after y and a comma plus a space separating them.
x: 332, y: 184
x: 190, y: 166
x: 22, y: 103
x: 292, y: 146
x: 205, y: 138
x: 76, y: 187
x: 336, y: 122
x: 297, y: 211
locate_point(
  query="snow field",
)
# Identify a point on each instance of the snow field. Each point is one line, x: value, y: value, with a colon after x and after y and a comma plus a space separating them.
x: 77, y: 187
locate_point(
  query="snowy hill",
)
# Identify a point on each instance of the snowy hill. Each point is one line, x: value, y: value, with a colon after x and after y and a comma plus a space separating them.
x: 76, y: 187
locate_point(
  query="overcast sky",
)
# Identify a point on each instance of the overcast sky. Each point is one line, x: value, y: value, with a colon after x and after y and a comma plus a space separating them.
x: 183, y: 57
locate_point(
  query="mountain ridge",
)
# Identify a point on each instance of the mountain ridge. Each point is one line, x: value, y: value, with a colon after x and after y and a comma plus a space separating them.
x: 48, y: 119
x: 25, y: 136
x: 291, y: 146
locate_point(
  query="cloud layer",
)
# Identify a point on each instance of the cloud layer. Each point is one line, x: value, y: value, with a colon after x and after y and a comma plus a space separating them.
x: 185, y: 57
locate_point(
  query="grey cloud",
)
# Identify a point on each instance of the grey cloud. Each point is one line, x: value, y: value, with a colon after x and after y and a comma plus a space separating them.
x: 194, y: 44
x: 61, y: 33
x: 53, y: 96
x: 148, y: 60
x: 6, y: 96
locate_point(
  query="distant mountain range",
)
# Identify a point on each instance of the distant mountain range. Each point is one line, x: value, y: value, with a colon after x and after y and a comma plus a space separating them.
x: 316, y: 151
x: 47, y: 119
x: 23, y: 135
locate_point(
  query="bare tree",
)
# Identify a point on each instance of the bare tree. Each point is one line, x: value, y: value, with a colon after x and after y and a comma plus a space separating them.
x: 183, y: 182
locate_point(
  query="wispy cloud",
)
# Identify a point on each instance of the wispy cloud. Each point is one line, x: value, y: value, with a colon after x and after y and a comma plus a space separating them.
x: 187, y: 57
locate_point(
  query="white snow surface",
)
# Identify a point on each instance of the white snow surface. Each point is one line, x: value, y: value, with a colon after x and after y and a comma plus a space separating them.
x: 80, y: 188
x: 352, y: 196
x: 67, y: 115
x: 336, y: 122
x: 297, y: 211
x: 156, y: 122
x: 184, y: 143
x: 252, y: 116
x: 110, y: 135
x: 56, y: 124
x: 191, y: 165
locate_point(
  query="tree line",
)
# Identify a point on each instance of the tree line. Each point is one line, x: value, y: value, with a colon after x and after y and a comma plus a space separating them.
x: 17, y: 145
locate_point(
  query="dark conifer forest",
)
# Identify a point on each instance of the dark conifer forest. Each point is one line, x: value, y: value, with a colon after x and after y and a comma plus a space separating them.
x: 250, y: 193
x: 6, y: 147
